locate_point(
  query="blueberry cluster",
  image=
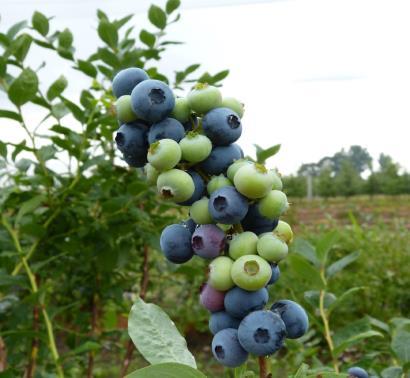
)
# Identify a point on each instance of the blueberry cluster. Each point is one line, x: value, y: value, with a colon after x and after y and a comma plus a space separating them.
x: 187, y: 146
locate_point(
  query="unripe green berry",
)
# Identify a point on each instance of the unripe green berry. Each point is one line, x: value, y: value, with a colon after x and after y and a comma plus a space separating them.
x: 203, y: 98
x: 220, y: 273
x: 218, y: 182
x: 195, y: 147
x: 199, y: 211
x: 284, y: 232
x: 233, y: 104
x: 175, y: 185
x: 273, y: 205
x: 181, y: 110
x: 124, y: 110
x: 235, y: 166
x: 164, y: 154
x: 151, y: 174
x: 253, y: 181
x: 243, y: 244
x: 271, y: 248
x: 251, y: 272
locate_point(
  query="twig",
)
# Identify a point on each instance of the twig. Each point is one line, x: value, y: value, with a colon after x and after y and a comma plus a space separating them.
x: 35, y: 343
x: 263, y: 367
x: 143, y: 291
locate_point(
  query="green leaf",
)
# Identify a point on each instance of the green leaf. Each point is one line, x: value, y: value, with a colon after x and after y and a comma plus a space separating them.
x: 4, y: 40
x: 87, y: 68
x: 172, y: 5
x: 20, y: 46
x: 108, y: 57
x: 305, y: 249
x: 264, y: 154
x: 220, y: 76
x: 20, y: 147
x: 157, y: 17
x: 392, y: 372
x: 10, y: 114
x: 313, y: 298
x: 343, y: 297
x: 57, y: 88
x: 47, y: 152
x: 147, y: 38
x: 155, y: 335
x: 12, y: 32
x: 65, y: 39
x: 108, y: 33
x: 24, y: 87
x: 325, y: 244
x: 3, y: 150
x: 3, y: 66
x: 84, y: 348
x: 355, y: 339
x: 401, y: 343
x: 29, y: 206
x: 339, y: 265
x: 304, y: 269
x: 40, y: 23
x: 167, y: 370
x: 302, y: 371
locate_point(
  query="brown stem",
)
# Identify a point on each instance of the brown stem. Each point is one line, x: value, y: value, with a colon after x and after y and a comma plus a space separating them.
x: 263, y: 367
x: 143, y: 291
x: 94, y: 317
x: 35, y: 343
x: 3, y: 355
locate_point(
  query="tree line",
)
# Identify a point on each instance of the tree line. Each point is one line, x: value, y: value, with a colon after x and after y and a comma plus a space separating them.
x: 347, y: 173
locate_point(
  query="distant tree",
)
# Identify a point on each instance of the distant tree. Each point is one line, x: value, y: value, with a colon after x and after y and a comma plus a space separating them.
x: 388, y: 175
x: 325, y: 183
x: 348, y: 181
x: 294, y: 186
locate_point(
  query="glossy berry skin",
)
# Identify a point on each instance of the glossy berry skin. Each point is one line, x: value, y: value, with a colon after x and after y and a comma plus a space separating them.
x: 227, y: 206
x: 208, y: 241
x: 175, y: 243
x: 257, y: 223
x: 219, y: 275
x: 175, y: 185
x: 124, y: 110
x: 164, y: 154
x: 218, y: 182
x: 243, y: 244
x: 253, y: 181
x: 277, y: 181
x: 195, y: 147
x: 211, y: 299
x: 152, y: 100
x: 357, y: 372
x: 271, y: 248
x: 181, y: 110
x: 234, y: 167
x: 227, y: 350
x: 273, y: 205
x: 203, y: 98
x: 199, y: 211
x: 220, y: 159
x: 151, y: 174
x: 169, y: 128
x: 199, y: 189
x: 221, y: 320
x: 275, y: 274
x: 283, y: 231
x: 251, y: 272
x: 234, y: 104
x: 239, y: 303
x: 222, y: 126
x: 262, y: 333
x: 294, y: 317
x: 190, y: 225
x: 125, y: 81
x: 131, y: 140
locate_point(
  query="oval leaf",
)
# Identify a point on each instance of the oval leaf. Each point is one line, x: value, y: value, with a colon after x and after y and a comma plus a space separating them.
x: 40, y: 23
x: 157, y: 17
x: 401, y: 344
x: 342, y: 263
x: 168, y: 370
x: 57, y: 88
x: 24, y: 88
x: 108, y: 33
x: 155, y: 335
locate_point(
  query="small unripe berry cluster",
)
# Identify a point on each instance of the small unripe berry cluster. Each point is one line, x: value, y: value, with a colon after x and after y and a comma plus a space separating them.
x: 187, y: 146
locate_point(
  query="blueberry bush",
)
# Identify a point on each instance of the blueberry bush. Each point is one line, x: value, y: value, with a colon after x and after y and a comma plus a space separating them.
x: 86, y: 234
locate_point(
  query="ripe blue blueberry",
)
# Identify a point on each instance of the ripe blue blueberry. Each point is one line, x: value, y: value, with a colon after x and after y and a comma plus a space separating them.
x: 208, y: 241
x: 169, y: 128
x: 199, y: 191
x: 275, y: 274
x: 357, y: 372
x: 190, y: 225
x: 226, y: 348
x: 131, y: 140
x: 255, y: 222
x: 152, y: 100
x: 125, y: 81
x: 221, y: 320
x: 211, y: 299
x: 262, y: 333
x: 239, y: 302
x: 227, y: 205
x: 222, y: 126
x: 294, y: 317
x: 175, y: 243
x: 220, y: 159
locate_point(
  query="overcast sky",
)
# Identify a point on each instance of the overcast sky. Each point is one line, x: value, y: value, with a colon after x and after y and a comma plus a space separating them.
x: 315, y: 75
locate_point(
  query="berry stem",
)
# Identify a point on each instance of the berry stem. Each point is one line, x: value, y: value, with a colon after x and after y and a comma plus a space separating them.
x: 263, y: 367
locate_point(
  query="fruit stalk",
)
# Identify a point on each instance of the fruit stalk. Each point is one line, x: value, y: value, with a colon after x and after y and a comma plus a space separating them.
x: 263, y: 367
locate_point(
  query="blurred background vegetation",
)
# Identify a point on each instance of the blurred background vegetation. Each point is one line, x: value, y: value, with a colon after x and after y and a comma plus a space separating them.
x: 79, y: 243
